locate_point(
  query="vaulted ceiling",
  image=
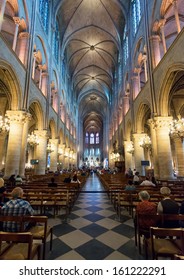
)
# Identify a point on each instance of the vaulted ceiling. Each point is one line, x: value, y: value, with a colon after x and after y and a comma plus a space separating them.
x: 91, y: 33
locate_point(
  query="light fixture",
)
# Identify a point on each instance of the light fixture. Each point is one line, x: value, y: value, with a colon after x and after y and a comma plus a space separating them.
x: 60, y: 151
x: 177, y: 127
x: 33, y: 139
x: 130, y: 148
x: 4, y: 124
x: 145, y: 142
x: 50, y: 148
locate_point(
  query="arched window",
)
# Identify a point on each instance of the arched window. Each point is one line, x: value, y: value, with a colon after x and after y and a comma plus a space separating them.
x: 136, y: 14
x: 92, y: 138
x: 56, y: 42
x: 44, y: 14
x: 87, y: 138
x: 125, y: 44
x: 97, y: 138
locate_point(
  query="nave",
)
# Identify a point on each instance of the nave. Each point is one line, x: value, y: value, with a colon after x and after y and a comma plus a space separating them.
x: 93, y: 231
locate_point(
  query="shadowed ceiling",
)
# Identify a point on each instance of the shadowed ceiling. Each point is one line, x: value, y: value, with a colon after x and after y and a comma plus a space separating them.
x: 91, y: 33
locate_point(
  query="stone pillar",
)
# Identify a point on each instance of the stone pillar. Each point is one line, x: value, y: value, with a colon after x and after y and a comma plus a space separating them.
x: 17, y: 23
x: 164, y: 155
x: 136, y: 84
x: 54, y: 155
x: 41, y: 151
x: 138, y: 153
x: 23, y: 42
x: 3, y: 5
x: 154, y: 148
x: 126, y: 104
x: 162, y: 23
x: 3, y: 138
x: 145, y: 67
x: 178, y: 26
x: 40, y: 78
x: 128, y: 157
x: 27, y: 119
x: 15, y: 142
x: 179, y: 151
x: 34, y: 64
x: 44, y: 83
x: 156, y: 56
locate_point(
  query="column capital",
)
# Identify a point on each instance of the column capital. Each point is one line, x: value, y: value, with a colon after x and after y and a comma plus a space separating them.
x: 162, y: 122
x: 17, y: 20
x: 41, y: 133
x: 162, y: 22
x: 24, y: 35
x: 18, y: 116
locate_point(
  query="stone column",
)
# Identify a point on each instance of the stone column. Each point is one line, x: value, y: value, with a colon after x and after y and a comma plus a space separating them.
x: 41, y: 151
x: 164, y: 155
x: 44, y: 83
x: 156, y: 56
x: 40, y: 78
x: 135, y: 87
x: 126, y: 104
x: 3, y: 138
x: 34, y: 64
x: 179, y: 151
x: 138, y: 153
x: 23, y: 42
x: 15, y: 142
x: 17, y: 23
x: 128, y: 157
x: 54, y: 155
x: 27, y: 119
x: 162, y: 23
x: 154, y: 148
x: 145, y: 67
x: 3, y: 5
x: 174, y: 3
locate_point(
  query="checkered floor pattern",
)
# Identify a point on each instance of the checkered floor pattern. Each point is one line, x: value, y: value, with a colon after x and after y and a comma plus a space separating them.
x: 93, y: 231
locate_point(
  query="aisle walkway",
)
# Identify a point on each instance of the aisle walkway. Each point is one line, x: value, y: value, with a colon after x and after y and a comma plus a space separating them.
x: 93, y: 231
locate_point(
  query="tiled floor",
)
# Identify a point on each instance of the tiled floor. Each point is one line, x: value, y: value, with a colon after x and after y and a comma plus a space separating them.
x: 93, y: 231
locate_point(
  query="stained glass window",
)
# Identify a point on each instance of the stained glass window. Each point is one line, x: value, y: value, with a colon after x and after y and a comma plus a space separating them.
x: 136, y: 14
x: 56, y: 42
x: 87, y: 138
x: 92, y: 138
x: 125, y: 44
x: 44, y: 13
x: 97, y: 138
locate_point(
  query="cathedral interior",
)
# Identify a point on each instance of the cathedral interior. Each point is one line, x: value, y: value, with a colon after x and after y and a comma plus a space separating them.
x: 92, y: 84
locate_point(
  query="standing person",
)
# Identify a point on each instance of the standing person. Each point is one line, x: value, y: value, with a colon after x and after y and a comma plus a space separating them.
x: 136, y: 178
x: 167, y: 206
x: 12, y: 180
x: 17, y: 206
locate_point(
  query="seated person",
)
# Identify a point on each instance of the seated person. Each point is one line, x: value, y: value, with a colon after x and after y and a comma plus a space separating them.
x: 67, y: 180
x: 2, y: 192
x: 181, y: 211
x: 146, y: 207
x: 147, y: 182
x: 52, y: 183
x: 130, y: 186
x: 18, y: 180
x: 17, y: 206
x: 75, y: 179
x: 167, y: 206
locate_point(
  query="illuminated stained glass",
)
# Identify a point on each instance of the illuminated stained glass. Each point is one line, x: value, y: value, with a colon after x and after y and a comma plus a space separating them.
x: 136, y: 14
x: 56, y: 43
x: 44, y: 13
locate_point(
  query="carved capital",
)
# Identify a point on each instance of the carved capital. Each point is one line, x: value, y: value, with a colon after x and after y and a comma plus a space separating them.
x: 18, y: 116
x: 17, y: 20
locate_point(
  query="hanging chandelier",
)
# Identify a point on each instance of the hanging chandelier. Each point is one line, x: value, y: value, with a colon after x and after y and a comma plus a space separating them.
x: 4, y: 124
x: 33, y: 139
x: 145, y: 142
x: 130, y: 148
x: 177, y: 127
